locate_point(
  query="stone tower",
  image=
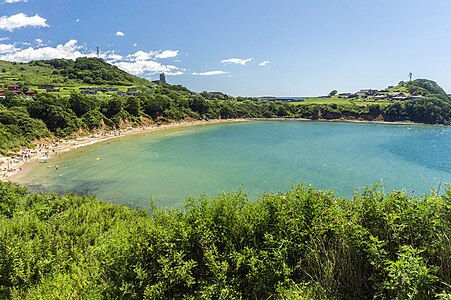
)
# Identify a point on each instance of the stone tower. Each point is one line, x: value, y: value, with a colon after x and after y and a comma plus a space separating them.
x: 162, y: 78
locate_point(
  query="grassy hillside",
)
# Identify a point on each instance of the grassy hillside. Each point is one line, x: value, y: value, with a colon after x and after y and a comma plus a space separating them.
x: 417, y: 87
x: 425, y: 87
x: 64, y: 73
x: 67, y: 112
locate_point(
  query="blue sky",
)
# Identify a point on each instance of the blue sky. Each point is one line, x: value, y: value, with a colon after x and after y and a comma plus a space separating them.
x: 247, y: 47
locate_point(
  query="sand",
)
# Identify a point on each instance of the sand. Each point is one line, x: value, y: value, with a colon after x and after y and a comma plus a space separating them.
x: 14, y: 168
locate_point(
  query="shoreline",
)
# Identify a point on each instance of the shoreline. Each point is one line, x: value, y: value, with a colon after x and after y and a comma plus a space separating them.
x: 18, y: 167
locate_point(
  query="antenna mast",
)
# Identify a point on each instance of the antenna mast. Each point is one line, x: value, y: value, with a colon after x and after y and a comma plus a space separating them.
x: 410, y: 76
x: 98, y: 52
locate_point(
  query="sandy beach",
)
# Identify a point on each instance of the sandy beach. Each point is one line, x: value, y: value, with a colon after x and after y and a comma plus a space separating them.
x: 13, y: 168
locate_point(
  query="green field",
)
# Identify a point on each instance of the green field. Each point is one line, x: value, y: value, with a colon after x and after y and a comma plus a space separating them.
x: 68, y: 76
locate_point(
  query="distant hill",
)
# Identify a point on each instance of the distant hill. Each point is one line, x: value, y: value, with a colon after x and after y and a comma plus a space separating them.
x: 425, y: 87
x: 66, y: 72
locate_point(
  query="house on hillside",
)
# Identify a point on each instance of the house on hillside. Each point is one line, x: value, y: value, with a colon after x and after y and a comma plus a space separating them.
x: 392, y: 95
x: 347, y: 95
x: 380, y: 97
x: 105, y: 90
x: 46, y: 87
x: 400, y: 98
x: 368, y: 92
x: 13, y: 87
x: 132, y: 91
x: 89, y: 92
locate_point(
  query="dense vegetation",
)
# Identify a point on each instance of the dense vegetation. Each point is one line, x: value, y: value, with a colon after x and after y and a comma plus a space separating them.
x: 57, y: 114
x: 303, y: 244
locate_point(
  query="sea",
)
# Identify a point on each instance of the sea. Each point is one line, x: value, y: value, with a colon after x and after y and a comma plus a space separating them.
x: 256, y: 158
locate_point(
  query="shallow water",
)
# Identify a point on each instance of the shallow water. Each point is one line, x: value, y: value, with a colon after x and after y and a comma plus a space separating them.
x: 260, y: 157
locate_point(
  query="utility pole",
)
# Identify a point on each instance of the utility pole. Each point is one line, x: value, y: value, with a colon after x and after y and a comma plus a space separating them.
x: 410, y: 76
x: 98, y: 52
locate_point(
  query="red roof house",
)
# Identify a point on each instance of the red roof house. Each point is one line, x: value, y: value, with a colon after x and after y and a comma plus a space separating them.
x: 13, y: 87
x: 30, y: 93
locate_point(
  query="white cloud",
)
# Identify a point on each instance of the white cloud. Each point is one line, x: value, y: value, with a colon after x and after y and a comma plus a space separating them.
x: 15, y: 1
x: 139, y: 63
x: 112, y: 57
x: 7, y: 48
x: 143, y: 63
x: 135, y: 44
x: 141, y: 55
x: 176, y: 73
x: 120, y: 33
x: 21, y: 20
x: 264, y: 63
x: 39, y: 42
x: 238, y: 61
x: 4, y: 39
x: 70, y: 50
x: 210, y: 73
x: 167, y: 54
x: 77, y: 20
x: 145, y: 67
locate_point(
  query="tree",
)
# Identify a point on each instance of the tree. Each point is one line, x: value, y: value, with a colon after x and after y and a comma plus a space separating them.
x: 133, y: 106
x: 199, y: 104
x: 93, y: 119
x: 114, y: 106
x: 333, y: 93
x: 82, y: 104
x: 55, y: 113
x: 156, y: 105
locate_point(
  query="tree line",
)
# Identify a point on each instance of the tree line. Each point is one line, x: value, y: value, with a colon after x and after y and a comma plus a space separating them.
x: 24, y: 120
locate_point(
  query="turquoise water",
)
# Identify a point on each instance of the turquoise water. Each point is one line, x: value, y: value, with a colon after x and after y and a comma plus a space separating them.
x: 261, y: 157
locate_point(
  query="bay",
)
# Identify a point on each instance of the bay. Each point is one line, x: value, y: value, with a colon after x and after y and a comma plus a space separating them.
x: 258, y: 157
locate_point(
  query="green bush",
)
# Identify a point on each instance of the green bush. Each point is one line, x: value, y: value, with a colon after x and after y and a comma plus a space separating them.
x: 303, y: 244
x: 409, y: 277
